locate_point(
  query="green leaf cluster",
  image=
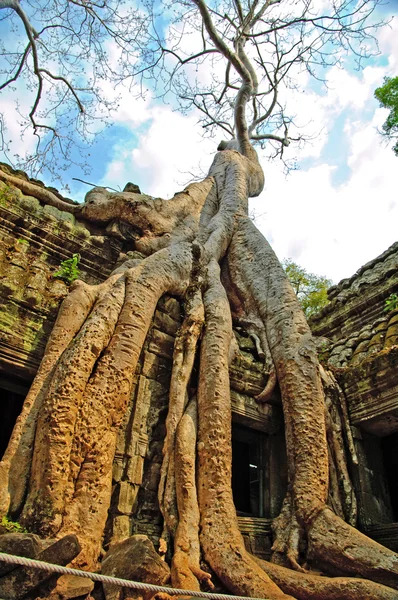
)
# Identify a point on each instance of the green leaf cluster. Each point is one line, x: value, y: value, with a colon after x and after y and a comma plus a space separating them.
x: 68, y: 270
x: 387, y: 95
x: 12, y: 526
x: 310, y: 289
x: 391, y: 302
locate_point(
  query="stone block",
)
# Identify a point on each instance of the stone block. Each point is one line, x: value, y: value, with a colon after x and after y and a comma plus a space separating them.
x: 164, y: 371
x: 245, y: 342
x: 152, y: 476
x: 118, y: 467
x: 135, y: 559
x: 171, y: 306
x: 22, y: 580
x: 141, y: 446
x: 39, y: 273
x: 156, y: 389
x: 71, y: 586
x: 142, y: 403
x: 19, y: 544
x: 150, y: 365
x: 135, y: 468
x: 126, y: 497
x: 166, y: 323
x: 32, y: 297
x: 161, y: 343
x: 121, y: 528
x: 371, y: 510
x: 392, y: 332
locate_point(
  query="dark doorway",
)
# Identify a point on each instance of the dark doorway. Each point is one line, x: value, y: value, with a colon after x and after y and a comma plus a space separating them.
x: 389, y: 448
x: 248, y: 471
x: 12, y: 397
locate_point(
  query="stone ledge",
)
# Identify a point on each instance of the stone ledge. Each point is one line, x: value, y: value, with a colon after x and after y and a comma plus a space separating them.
x: 387, y: 535
x: 263, y: 417
x: 257, y: 535
x: 98, y: 254
x: 372, y: 392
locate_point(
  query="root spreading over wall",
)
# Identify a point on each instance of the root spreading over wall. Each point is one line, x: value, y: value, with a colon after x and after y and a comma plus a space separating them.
x: 202, y: 248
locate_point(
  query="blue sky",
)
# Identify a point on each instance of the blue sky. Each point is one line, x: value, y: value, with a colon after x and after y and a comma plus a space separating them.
x: 336, y: 212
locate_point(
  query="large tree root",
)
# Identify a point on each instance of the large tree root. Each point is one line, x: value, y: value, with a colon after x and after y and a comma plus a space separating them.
x: 57, y: 421
x: 336, y: 546
x: 185, y: 567
x: 315, y: 587
x: 220, y: 538
x: 177, y: 487
x: 183, y: 360
x: 339, y: 548
x: 341, y: 492
x: 15, y: 465
x: 41, y: 193
x: 287, y: 534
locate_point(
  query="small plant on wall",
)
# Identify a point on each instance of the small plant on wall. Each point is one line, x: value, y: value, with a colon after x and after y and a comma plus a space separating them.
x: 11, y: 526
x: 391, y: 302
x: 68, y: 270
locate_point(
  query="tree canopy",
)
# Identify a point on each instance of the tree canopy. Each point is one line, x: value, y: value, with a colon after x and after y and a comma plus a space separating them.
x: 310, y: 289
x: 387, y: 95
x: 68, y: 57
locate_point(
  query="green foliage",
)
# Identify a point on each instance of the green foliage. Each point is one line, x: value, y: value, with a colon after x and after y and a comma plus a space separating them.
x: 310, y: 289
x: 387, y: 95
x: 7, y: 194
x: 68, y: 270
x: 11, y: 526
x: 391, y: 302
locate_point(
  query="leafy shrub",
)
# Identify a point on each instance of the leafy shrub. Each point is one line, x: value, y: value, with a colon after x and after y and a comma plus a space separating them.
x: 310, y: 289
x: 391, y: 302
x: 12, y: 526
x: 68, y: 270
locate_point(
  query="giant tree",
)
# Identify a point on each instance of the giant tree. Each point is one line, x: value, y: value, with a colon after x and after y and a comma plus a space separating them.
x: 201, y: 247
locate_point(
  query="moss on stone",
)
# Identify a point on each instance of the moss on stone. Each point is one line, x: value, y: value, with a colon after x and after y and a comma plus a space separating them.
x: 81, y: 232
x: 8, y: 194
x: 29, y: 204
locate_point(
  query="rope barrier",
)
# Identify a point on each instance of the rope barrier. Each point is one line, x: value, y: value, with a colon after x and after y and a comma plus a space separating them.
x: 136, y: 585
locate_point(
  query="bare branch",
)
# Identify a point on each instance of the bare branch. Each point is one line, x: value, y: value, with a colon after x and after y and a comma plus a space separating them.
x: 19, y: 69
x: 239, y: 57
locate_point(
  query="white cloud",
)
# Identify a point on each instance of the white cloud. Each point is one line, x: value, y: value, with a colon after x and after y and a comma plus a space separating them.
x: 129, y: 110
x: 388, y: 42
x: 333, y: 230
x: 20, y: 141
x: 167, y: 156
x: 347, y: 89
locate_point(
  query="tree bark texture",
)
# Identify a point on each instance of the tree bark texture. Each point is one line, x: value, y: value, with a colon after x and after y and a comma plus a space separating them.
x: 201, y: 247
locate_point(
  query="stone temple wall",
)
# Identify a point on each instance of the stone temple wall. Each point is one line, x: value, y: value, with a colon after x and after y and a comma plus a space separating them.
x: 358, y: 339
x: 358, y: 301
x: 34, y: 240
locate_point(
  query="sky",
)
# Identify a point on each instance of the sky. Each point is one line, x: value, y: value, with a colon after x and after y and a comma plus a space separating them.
x: 335, y: 212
